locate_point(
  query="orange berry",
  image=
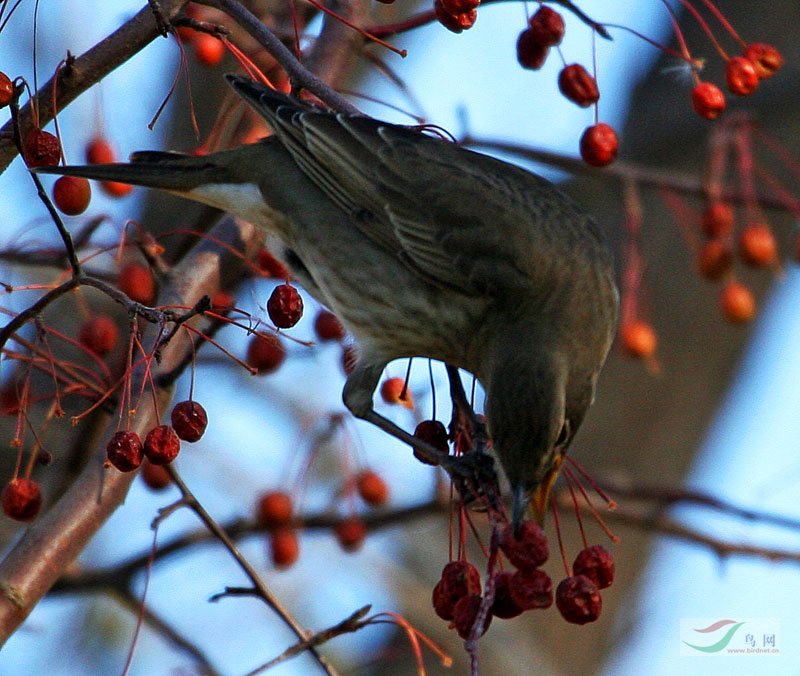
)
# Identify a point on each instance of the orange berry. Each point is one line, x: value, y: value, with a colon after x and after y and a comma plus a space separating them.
x: 741, y: 76
x: 351, y: 533
x: 72, y: 194
x: 372, y: 488
x: 284, y: 547
x: 137, y: 282
x: 99, y: 334
x: 714, y: 259
x: 766, y: 59
x: 392, y: 392
x: 718, y: 219
x: 208, y: 49
x: 274, y: 509
x: 708, y: 100
x: 757, y: 246
x: 100, y: 151
x: 639, y: 339
x: 737, y: 303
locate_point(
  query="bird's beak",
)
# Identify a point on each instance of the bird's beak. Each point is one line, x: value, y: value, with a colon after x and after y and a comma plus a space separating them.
x: 541, y: 496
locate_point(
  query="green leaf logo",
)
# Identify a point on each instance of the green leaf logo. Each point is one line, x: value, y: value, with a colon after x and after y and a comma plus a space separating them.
x: 723, y: 642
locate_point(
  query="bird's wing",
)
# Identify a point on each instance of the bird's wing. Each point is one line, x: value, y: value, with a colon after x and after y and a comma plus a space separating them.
x: 462, y: 219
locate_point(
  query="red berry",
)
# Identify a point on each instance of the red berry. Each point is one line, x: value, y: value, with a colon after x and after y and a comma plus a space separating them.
x: 155, y: 477
x: 597, y: 564
x: 577, y: 85
x: 99, y: 334
x: 21, y: 499
x: 503, y: 606
x: 327, y: 326
x: 708, y: 100
x: 271, y: 266
x: 350, y: 533
x: 6, y: 90
x: 284, y: 547
x: 638, y: 339
x: 72, y: 194
x: 757, y: 245
x: 465, y: 613
x: 394, y: 391
x: 208, y: 49
x: 547, y: 26
x: 766, y: 59
x: 527, y: 552
x: 718, y: 219
x: 189, y: 419
x: 530, y: 53
x: 455, y: 23
x: 372, y: 488
x: 599, y: 145
x: 578, y: 600
x: 41, y: 149
x: 125, y: 451
x: 265, y: 353
x: 223, y: 301
x: 741, y: 76
x: 100, y: 151
x: 285, y: 306
x: 115, y: 188
x: 737, y: 303
x: 459, y: 6
x: 136, y: 281
x: 434, y: 433
x: 531, y: 589
x: 274, y: 509
x: 714, y: 259
x: 459, y: 579
x: 161, y: 445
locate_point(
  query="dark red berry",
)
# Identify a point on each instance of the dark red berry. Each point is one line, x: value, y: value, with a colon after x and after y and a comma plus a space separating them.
x: 718, y: 218
x: 155, y: 477
x: 547, y: 26
x: 265, y: 353
x: 599, y: 145
x: 434, y: 433
x: 21, y: 499
x: 284, y: 547
x: 189, y: 419
x: 578, y: 600
x: 578, y: 85
x: 41, y: 149
x: 529, y: 550
x: 6, y: 90
x: 459, y: 6
x: 503, y: 606
x: 161, y: 445
x: 99, y: 334
x: 530, y: 54
x: 274, y: 509
x: 271, y: 266
x: 455, y: 23
x: 285, y: 306
x: 714, y: 259
x: 531, y: 589
x: 327, y: 326
x: 465, y: 613
x: 459, y: 579
x: 125, y: 451
x: 597, y: 564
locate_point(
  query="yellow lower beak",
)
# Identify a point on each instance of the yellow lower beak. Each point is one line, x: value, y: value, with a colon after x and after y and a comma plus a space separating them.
x: 541, y: 496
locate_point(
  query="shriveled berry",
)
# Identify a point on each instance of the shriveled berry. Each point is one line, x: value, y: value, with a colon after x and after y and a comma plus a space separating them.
x: 434, y: 433
x: 597, y: 564
x: 394, y: 391
x: 327, y: 326
x: 459, y: 579
x: 547, y: 26
x: 155, y: 477
x: 72, y: 194
x: 465, y: 613
x: 757, y: 246
x: 741, y: 76
x: 737, y: 303
x: 21, y: 499
x: 718, y: 218
x: 284, y: 547
x: 530, y: 53
x: 599, y: 145
x: 285, y: 306
x: 99, y: 334
x: 459, y: 6
x: 766, y: 59
x: 455, y: 23
x: 714, y: 259
x: 503, y: 606
x: 100, y: 151
x: 208, y: 49
x: 578, y: 600
x: 136, y: 281
x: 372, y: 488
x: 161, y: 445
x: 577, y: 85
x: 125, y: 451
x: 274, y: 509
x: 189, y: 419
x: 527, y: 552
x: 639, y: 339
x: 708, y: 100
x: 270, y: 266
x: 350, y: 533
x: 265, y: 353
x: 531, y: 589
x: 41, y: 149
x: 6, y: 90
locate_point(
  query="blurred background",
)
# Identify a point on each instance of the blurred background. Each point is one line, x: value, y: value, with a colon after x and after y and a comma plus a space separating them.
x: 721, y: 417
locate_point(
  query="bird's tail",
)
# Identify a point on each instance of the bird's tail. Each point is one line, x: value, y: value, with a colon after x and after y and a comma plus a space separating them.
x: 175, y: 172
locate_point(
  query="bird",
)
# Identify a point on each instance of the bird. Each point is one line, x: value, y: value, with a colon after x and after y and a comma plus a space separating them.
x: 422, y: 248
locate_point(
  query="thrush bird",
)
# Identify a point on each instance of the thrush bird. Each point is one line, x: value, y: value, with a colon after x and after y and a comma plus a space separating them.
x: 423, y: 248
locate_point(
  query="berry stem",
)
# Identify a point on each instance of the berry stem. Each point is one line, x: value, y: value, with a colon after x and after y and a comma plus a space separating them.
x: 705, y: 27
x: 557, y: 524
